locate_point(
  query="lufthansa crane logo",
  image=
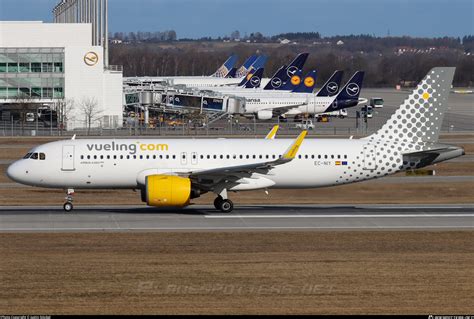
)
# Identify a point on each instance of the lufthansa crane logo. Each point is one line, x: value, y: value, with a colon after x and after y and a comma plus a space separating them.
x: 91, y: 58
x: 309, y: 81
x: 295, y: 80
x: 292, y: 70
x: 332, y: 87
x: 255, y: 81
x: 352, y: 89
x: 276, y: 82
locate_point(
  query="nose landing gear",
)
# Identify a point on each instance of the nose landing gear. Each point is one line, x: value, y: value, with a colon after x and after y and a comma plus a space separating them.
x: 69, y: 199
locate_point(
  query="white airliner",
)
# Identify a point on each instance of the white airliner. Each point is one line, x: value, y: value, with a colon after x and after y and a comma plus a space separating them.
x: 328, y: 99
x: 171, y: 172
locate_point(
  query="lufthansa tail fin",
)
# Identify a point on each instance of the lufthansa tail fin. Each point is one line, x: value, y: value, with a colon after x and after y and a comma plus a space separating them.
x: 297, y: 64
x: 277, y: 79
x: 254, y: 79
x: 351, y: 90
x: 420, y: 116
x: 331, y: 87
x: 308, y: 84
x: 224, y: 69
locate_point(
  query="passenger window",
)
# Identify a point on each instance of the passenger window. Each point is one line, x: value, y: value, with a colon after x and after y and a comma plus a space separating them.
x: 332, y: 156
x: 154, y: 156
x: 148, y: 157
x: 95, y: 156
x: 82, y: 156
x: 222, y: 156
x: 299, y: 156
x: 128, y: 156
x: 319, y: 156
x: 345, y: 156
x: 115, y: 156
x: 101, y: 156
x: 338, y: 156
x: 167, y: 156
x: 42, y: 156
x: 174, y: 156
x: 141, y: 156
x: 121, y: 156
x: 108, y: 156
x: 325, y: 156
x: 306, y: 156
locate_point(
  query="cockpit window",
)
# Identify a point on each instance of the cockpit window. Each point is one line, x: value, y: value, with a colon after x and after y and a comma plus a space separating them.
x: 34, y: 156
x: 27, y: 156
x: 42, y: 156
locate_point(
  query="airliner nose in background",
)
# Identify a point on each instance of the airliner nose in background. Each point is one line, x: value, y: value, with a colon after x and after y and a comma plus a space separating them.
x: 171, y: 172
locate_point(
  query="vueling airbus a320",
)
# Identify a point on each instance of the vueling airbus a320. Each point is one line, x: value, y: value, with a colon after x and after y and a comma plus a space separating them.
x: 172, y: 172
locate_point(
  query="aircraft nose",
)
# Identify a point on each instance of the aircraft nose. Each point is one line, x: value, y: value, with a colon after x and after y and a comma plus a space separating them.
x: 13, y: 171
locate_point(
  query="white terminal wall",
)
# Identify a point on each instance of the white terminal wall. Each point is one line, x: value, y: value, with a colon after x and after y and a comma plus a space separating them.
x: 82, y: 81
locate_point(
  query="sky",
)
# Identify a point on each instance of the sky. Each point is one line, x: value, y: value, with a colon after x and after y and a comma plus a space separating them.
x: 200, y: 18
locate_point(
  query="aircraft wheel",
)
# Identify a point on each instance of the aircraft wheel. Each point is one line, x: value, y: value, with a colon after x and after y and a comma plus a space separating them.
x: 217, y: 202
x: 68, y: 206
x: 226, y: 206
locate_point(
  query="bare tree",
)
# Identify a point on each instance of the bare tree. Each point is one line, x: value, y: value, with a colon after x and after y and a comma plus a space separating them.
x: 90, y: 110
x: 64, y: 110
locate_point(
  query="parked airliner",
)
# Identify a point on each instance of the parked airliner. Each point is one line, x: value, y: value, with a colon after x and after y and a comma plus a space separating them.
x: 171, y: 172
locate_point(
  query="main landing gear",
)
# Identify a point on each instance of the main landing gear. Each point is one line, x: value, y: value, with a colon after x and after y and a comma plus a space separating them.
x: 69, y: 199
x: 224, y: 205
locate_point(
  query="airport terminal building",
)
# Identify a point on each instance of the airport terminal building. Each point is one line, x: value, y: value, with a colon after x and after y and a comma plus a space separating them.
x: 51, y: 63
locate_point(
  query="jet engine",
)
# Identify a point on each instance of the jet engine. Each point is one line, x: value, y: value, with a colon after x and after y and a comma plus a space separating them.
x: 167, y: 191
x: 264, y: 115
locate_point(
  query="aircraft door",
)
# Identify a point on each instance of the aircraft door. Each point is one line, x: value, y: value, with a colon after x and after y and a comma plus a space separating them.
x: 370, y: 152
x: 68, y: 158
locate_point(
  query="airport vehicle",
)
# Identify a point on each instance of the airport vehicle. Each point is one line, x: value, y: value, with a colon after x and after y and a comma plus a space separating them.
x: 266, y: 106
x: 171, y: 172
x: 306, y: 124
x: 376, y: 102
x: 342, y: 113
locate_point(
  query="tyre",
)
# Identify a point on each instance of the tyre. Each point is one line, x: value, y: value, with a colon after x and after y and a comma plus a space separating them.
x: 68, y: 206
x: 226, y: 206
x: 217, y: 202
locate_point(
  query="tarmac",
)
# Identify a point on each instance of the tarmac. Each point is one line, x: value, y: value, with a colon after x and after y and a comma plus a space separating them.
x: 243, y: 218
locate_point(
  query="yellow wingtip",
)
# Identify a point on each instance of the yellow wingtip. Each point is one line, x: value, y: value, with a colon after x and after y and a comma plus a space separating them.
x: 293, y: 150
x: 272, y: 133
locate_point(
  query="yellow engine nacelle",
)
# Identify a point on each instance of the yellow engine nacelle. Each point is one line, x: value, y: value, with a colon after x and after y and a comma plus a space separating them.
x: 166, y: 190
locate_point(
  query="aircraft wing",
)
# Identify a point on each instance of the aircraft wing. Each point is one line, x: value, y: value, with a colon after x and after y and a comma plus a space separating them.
x: 229, y: 174
x: 282, y: 109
